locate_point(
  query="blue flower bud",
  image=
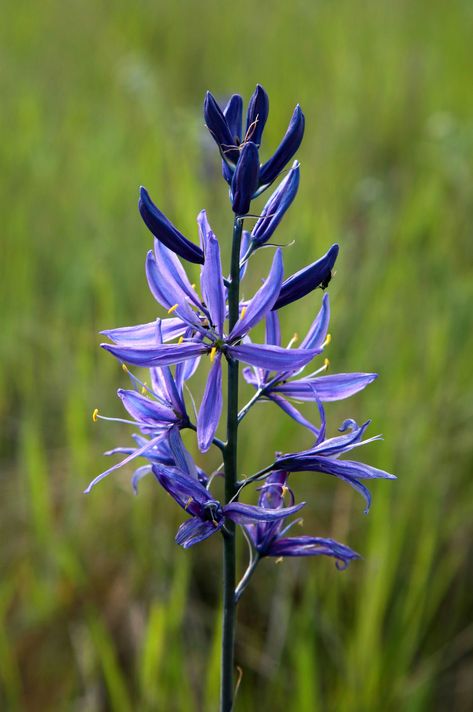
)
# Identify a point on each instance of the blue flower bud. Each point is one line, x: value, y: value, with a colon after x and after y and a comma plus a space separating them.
x: 220, y: 130
x: 245, y: 178
x: 306, y: 280
x: 233, y: 116
x: 276, y: 206
x: 286, y: 149
x: 165, y: 232
x: 258, y: 109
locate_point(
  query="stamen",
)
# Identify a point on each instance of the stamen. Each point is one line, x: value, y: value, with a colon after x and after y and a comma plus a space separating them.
x: 180, y: 340
x: 125, y: 367
x: 285, y: 490
x: 95, y: 414
x: 213, y: 353
x: 189, y: 501
x: 279, y: 560
x: 144, y: 389
x: 300, y: 523
x: 193, y: 285
x: 294, y: 340
x: 326, y: 363
x: 243, y: 312
x: 173, y: 308
x: 328, y: 339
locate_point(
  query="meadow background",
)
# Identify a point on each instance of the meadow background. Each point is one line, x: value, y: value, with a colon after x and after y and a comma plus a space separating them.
x: 99, y: 609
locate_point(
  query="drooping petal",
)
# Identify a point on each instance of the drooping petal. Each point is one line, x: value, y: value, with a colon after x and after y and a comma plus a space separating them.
x: 286, y: 149
x: 258, y: 109
x: 328, y: 388
x: 136, y: 453
x: 167, y: 291
x: 317, y: 333
x: 181, y: 455
x: 138, y: 475
x: 220, y: 130
x: 245, y: 178
x: 165, y: 232
x: 194, y: 531
x: 146, y: 333
x: 276, y: 207
x: 346, y: 468
x: 249, y: 513
x: 343, y: 443
x: 263, y: 300
x: 164, y: 355
x: 212, y: 277
x: 186, y: 490
x: 312, y: 546
x: 211, y: 406
x: 292, y: 411
x: 233, y: 116
x: 318, y: 274
x: 272, y: 358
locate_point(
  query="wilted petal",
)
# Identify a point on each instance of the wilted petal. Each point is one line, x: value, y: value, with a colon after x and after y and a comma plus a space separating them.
x: 181, y: 455
x: 211, y: 406
x: 187, y: 491
x: 211, y: 277
x: 286, y: 149
x: 306, y: 280
x: 277, y: 205
x: 312, y: 546
x: 248, y: 513
x: 164, y: 355
x: 263, y: 300
x: 165, y: 232
x: 272, y: 358
x: 245, y: 178
x: 195, y: 530
x: 136, y: 453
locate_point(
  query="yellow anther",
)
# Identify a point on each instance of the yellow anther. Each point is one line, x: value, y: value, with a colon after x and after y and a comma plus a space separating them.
x: 300, y: 523
x: 285, y: 490
x: 279, y: 560
x: 328, y: 339
x: 173, y: 308
x: 243, y: 312
x: 294, y: 340
x: 125, y: 367
x: 326, y: 363
x: 143, y: 389
x: 189, y: 501
x: 213, y: 352
x: 95, y: 414
x: 180, y: 340
x: 193, y: 285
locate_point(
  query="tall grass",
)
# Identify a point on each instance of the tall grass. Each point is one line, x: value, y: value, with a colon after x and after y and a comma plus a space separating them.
x: 98, y: 608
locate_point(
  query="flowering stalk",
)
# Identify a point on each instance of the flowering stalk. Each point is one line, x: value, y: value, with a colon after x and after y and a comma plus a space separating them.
x: 215, y: 323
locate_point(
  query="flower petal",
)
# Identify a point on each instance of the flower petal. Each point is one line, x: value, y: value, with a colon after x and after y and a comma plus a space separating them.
x: 145, y: 410
x: 165, y: 232
x: 233, y: 116
x: 317, y: 333
x: 328, y: 388
x: 194, y: 531
x: 167, y: 291
x: 292, y: 411
x: 220, y: 130
x: 163, y: 355
x: 245, y: 178
x: 146, y: 333
x: 249, y: 513
x: 258, y: 109
x: 286, y: 149
x: 276, y: 207
x: 312, y: 546
x: 212, y: 277
x: 263, y: 300
x: 211, y: 406
x: 185, y: 490
x: 273, y: 358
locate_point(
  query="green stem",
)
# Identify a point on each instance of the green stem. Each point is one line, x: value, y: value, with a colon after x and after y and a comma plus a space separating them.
x: 230, y: 462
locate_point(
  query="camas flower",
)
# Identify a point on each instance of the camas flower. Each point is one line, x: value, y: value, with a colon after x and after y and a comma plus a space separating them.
x: 269, y: 537
x: 208, y: 514
x: 323, y: 457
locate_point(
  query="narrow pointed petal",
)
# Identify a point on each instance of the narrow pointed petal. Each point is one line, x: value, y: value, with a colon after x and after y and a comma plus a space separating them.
x: 286, y: 149
x: 164, y: 355
x: 219, y: 129
x: 136, y: 453
x: 233, y: 115
x: 349, y: 469
x: 194, y: 531
x: 138, y: 475
x: 272, y: 358
x: 181, y: 455
x: 317, y: 333
x: 245, y: 178
x: 273, y: 329
x: 185, y: 490
x: 167, y: 291
x: 244, y: 245
x: 249, y: 513
x: 165, y: 232
x: 276, y: 207
x: 211, y: 406
x: 263, y: 300
x: 292, y: 411
x: 312, y: 546
x: 144, y: 409
x: 343, y: 443
x: 306, y: 280
x: 328, y: 388
x: 258, y: 109
x: 171, y: 262
x: 163, y: 381
x: 146, y: 333
x: 212, y: 277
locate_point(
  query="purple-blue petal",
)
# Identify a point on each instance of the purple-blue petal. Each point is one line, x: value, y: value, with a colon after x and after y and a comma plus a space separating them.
x: 211, y: 277
x: 317, y: 333
x: 276, y: 207
x: 194, y: 531
x: 245, y: 178
x: 145, y: 333
x: 163, y: 355
x: 318, y: 274
x: 144, y: 409
x: 249, y: 513
x: 233, y: 115
x: 219, y: 129
x: 258, y: 109
x: 272, y: 358
x: 312, y: 546
x: 211, y: 406
x: 286, y: 149
x: 185, y: 490
x: 327, y: 388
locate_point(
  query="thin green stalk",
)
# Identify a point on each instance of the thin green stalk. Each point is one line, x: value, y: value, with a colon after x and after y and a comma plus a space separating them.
x: 230, y: 462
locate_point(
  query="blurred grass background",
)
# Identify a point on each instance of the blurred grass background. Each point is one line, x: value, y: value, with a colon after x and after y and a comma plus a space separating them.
x: 99, y: 610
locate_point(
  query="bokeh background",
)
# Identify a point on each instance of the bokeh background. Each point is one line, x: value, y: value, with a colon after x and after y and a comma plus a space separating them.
x: 99, y: 609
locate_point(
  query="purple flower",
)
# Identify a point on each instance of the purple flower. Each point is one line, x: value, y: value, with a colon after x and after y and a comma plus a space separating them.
x: 268, y: 538
x: 323, y: 457
x: 208, y: 514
